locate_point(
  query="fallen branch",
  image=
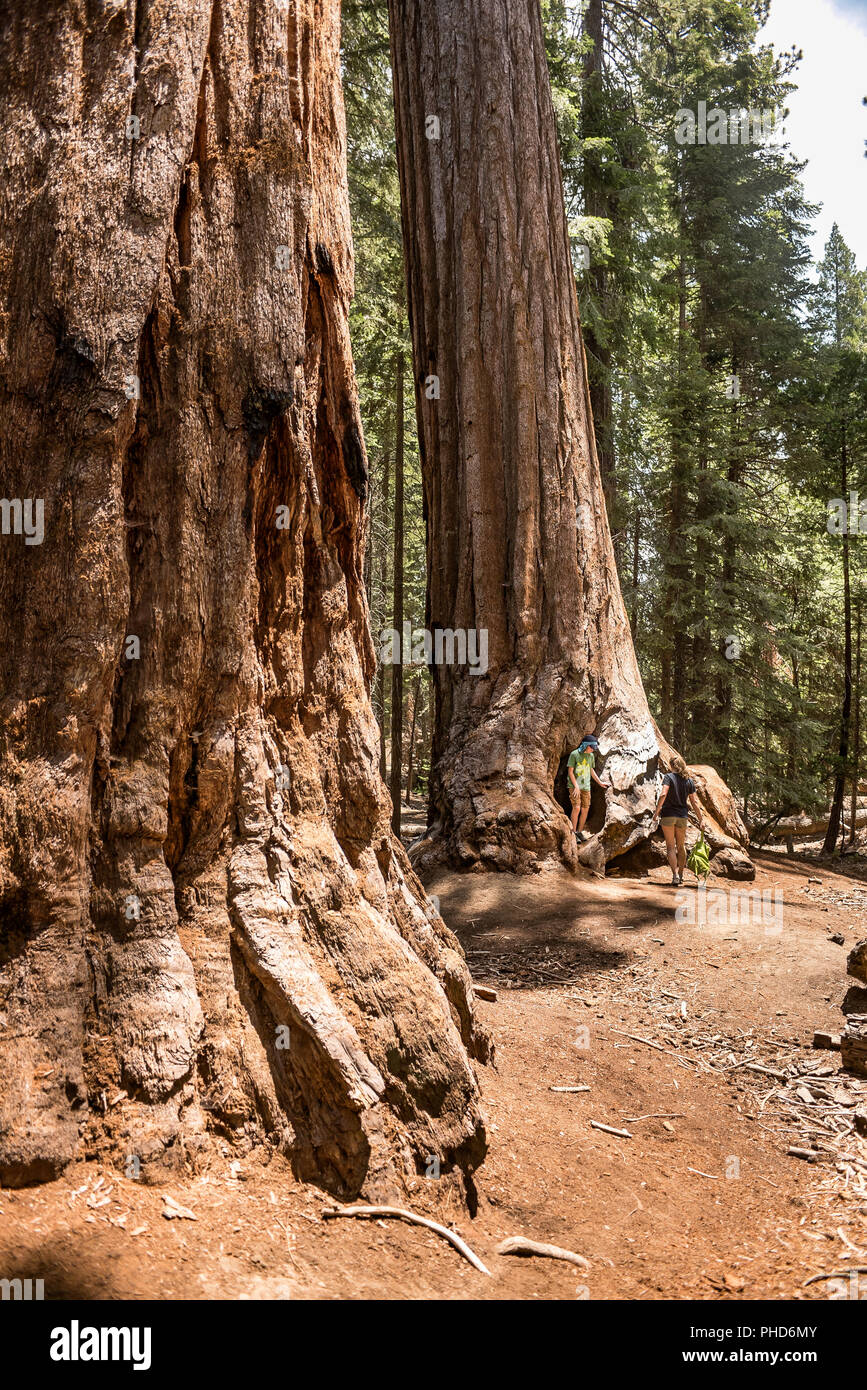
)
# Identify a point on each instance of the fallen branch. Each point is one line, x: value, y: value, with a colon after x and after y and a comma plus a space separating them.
x: 657, y: 1115
x: 569, y: 1090
x: 764, y: 829
x: 856, y: 1249
x: 767, y: 1071
x: 372, y: 1213
x: 517, y: 1245
x: 609, y: 1129
x: 835, y: 1274
x: 647, y: 1043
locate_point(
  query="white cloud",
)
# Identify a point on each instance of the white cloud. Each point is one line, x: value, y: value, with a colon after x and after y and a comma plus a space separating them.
x: 827, y: 124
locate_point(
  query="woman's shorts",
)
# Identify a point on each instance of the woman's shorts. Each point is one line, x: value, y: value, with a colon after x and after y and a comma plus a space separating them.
x: 581, y: 797
x: 673, y: 820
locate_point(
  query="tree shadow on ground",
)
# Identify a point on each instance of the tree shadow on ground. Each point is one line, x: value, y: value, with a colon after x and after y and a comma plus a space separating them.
x: 851, y: 866
x: 66, y: 1277
x: 534, y: 933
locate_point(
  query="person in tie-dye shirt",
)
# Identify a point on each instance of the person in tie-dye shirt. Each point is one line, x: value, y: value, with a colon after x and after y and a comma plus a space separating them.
x: 579, y: 770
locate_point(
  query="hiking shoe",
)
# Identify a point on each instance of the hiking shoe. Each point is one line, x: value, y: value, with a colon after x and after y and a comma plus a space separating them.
x: 675, y: 881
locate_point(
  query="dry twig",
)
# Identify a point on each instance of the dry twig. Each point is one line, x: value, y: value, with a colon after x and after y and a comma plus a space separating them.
x: 372, y: 1213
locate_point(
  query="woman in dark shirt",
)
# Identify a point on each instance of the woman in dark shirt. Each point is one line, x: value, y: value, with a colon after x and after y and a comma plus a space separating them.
x: 678, y: 791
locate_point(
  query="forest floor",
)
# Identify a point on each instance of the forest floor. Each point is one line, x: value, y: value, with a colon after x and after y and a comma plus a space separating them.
x: 702, y: 1202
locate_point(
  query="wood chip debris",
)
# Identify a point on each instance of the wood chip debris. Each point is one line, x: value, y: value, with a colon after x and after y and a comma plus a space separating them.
x: 484, y: 992
x: 173, y: 1211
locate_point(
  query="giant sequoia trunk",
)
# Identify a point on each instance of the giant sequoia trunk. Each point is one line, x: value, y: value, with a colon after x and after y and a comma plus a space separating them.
x: 596, y: 204
x: 203, y: 914
x: 518, y: 541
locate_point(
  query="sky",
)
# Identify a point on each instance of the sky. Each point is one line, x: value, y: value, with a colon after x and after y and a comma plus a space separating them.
x: 827, y: 124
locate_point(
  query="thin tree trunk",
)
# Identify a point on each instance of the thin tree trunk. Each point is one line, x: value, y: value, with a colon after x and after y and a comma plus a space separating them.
x: 856, y: 738
x: 201, y: 901
x: 725, y: 680
x: 411, y: 753
x: 397, y: 667
x: 674, y: 651
x: 424, y: 737
x: 700, y: 677
x: 792, y: 740
x: 520, y: 561
x: 636, y: 573
x: 380, y: 669
x: 836, y: 814
x: 370, y: 553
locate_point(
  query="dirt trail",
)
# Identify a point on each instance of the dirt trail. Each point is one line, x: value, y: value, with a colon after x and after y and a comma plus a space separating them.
x: 702, y: 1202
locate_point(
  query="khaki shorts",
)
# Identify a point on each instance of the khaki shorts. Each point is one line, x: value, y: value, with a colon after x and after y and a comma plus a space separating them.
x: 579, y: 797
x: 674, y: 820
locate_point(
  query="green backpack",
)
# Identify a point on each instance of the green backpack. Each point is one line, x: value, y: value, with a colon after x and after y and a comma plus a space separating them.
x: 699, y: 859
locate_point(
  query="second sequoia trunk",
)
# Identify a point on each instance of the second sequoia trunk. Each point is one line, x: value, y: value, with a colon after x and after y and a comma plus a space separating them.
x: 521, y: 571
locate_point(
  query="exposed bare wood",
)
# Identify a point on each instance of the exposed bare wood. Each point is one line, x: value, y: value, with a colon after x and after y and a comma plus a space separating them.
x: 373, y: 1213
x: 518, y: 1245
